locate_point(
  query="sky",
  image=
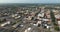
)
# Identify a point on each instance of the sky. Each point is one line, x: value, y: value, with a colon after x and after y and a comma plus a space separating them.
x: 29, y: 1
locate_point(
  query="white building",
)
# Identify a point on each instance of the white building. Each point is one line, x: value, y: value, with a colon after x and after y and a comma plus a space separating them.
x: 57, y: 16
x: 28, y: 29
x: 58, y: 23
x: 39, y: 22
x: 45, y: 19
x: 8, y: 22
x: 47, y: 26
x: 17, y: 17
x: 41, y: 15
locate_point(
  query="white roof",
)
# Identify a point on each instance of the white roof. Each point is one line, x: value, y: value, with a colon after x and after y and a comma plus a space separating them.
x: 48, y: 26
x: 45, y: 24
x: 58, y: 22
x: 39, y: 22
x: 48, y: 16
x: 5, y: 23
x: 57, y: 16
x: 41, y: 15
x: 42, y: 10
x: 35, y: 24
x: 25, y: 31
x: 45, y: 19
x: 29, y: 28
x: 21, y: 25
x: 17, y: 17
x: 54, y: 10
x: 15, y: 14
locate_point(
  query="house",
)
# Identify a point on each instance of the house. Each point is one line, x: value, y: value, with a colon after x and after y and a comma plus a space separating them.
x: 17, y: 17
x: 59, y: 23
x: 13, y: 15
x: 46, y: 26
x: 45, y: 19
x: 41, y: 15
x: 38, y: 23
x: 47, y: 15
x: 39, y: 18
x: 8, y: 22
x: 57, y: 16
x: 16, y: 25
x: 28, y: 29
x: 28, y: 18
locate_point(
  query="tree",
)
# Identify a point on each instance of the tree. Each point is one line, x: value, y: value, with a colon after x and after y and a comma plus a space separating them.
x: 57, y: 28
